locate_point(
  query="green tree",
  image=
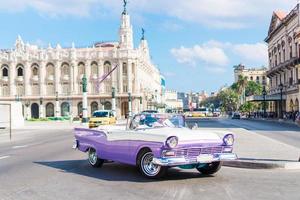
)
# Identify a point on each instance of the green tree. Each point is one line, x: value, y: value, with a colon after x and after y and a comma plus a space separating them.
x: 253, y: 88
x: 229, y: 100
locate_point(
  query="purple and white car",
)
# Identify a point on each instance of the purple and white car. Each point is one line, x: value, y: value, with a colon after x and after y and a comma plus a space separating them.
x: 154, y: 143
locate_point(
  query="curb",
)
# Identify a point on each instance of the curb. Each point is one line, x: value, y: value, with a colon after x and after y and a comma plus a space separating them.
x: 263, y: 164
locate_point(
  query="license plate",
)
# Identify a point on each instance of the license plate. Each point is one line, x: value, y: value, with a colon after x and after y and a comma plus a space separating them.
x: 205, y: 158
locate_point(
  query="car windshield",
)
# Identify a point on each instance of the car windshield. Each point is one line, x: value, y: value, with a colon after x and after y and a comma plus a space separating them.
x: 100, y: 114
x: 157, y: 120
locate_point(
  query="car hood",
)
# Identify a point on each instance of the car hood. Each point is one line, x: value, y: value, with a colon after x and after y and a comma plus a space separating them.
x: 186, y: 135
x: 94, y: 119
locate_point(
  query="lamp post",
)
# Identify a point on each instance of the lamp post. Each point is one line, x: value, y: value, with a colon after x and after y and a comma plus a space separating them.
x: 141, y: 104
x: 281, y: 103
x: 84, y: 100
x: 264, y: 93
x: 41, y: 107
x: 27, y: 104
x: 113, y: 100
x: 129, y: 104
x: 56, y: 105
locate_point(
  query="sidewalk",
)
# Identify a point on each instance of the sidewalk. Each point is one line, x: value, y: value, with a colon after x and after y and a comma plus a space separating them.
x: 272, y: 120
x: 258, y: 151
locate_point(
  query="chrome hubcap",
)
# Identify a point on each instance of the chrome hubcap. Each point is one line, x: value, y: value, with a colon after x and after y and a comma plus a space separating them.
x: 148, y: 167
x: 92, y: 157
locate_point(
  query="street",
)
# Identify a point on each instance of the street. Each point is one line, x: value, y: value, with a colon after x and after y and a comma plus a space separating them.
x: 45, y: 167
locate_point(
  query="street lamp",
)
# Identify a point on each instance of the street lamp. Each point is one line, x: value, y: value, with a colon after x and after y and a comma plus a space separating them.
x: 129, y: 104
x: 281, y: 103
x: 264, y: 93
x: 27, y: 104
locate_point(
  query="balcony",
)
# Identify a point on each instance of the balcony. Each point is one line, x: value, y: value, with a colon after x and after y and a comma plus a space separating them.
x: 20, y: 79
x: 35, y: 78
x: 5, y: 79
x: 50, y: 78
x: 66, y: 78
x: 285, y: 65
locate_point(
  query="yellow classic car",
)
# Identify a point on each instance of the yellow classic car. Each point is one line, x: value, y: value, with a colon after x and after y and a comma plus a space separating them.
x: 102, y: 117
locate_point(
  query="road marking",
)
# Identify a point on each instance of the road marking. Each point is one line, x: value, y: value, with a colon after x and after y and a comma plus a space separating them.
x: 19, y: 147
x: 3, y: 157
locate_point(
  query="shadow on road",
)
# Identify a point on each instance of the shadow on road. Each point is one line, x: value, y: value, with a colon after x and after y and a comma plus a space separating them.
x: 116, y: 171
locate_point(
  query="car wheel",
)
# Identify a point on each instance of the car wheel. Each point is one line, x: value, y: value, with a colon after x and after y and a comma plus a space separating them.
x: 148, y: 168
x: 93, y: 158
x: 210, y: 168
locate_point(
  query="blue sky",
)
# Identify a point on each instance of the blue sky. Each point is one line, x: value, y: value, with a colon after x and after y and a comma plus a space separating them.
x: 194, y: 43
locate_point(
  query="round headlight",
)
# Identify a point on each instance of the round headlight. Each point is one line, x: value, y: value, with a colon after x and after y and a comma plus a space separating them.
x: 172, y: 142
x: 228, y: 139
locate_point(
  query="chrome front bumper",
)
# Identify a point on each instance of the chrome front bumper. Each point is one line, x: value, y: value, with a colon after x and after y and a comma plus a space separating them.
x: 178, y: 161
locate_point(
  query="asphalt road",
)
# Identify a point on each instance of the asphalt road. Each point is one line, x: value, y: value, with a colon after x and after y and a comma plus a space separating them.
x: 47, y: 168
x: 286, y: 133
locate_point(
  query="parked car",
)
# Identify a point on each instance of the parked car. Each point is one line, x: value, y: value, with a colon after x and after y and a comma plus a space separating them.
x: 154, y: 143
x: 102, y: 117
x: 236, y: 116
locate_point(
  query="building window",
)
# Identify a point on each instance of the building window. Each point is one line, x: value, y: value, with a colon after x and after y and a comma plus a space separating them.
x: 251, y: 78
x: 257, y: 79
x: 291, y: 51
x: 4, y: 72
x: 35, y: 71
x: 50, y: 110
x: 94, y: 107
x: 125, y: 69
x: 283, y: 51
x: 20, y: 71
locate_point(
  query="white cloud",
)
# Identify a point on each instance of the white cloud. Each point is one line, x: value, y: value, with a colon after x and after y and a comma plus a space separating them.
x: 200, y: 53
x: 211, y: 13
x: 252, y: 52
x: 215, y: 56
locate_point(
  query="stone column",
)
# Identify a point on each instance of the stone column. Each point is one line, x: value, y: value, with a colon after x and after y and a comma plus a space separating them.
x: 113, y: 101
x: 42, y: 72
x: 100, y: 75
x: 27, y: 85
x: 72, y: 86
x: 114, y: 76
x: 84, y: 100
x: 120, y: 77
x: 88, y: 75
x: 129, y: 76
x: 75, y: 77
x: 41, y: 109
x: 12, y: 79
x: 57, y: 107
x: 57, y: 77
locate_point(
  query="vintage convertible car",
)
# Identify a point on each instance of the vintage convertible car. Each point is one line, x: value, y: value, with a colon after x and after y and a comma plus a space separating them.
x: 154, y: 143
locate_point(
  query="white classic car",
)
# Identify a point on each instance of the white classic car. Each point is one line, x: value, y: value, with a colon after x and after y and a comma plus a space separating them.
x: 155, y: 142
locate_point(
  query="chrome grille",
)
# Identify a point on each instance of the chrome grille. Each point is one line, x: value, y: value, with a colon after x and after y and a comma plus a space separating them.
x: 194, y: 152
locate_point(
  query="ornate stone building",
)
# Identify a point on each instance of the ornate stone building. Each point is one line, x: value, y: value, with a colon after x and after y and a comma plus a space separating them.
x: 258, y: 75
x: 284, y: 59
x: 48, y: 81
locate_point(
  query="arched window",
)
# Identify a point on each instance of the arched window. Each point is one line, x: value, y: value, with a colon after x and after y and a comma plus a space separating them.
x: 4, y: 72
x: 107, y: 106
x: 50, y: 69
x: 94, y: 107
x: 257, y: 79
x: 65, y: 109
x: 50, y: 110
x: 107, y: 67
x: 81, y: 68
x: 94, y: 68
x: 124, y: 68
x: 20, y: 71
x: 65, y: 69
x: 79, y: 108
x: 35, y: 71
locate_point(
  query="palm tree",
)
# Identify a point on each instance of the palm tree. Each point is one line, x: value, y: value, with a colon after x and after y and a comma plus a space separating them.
x: 241, y: 86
